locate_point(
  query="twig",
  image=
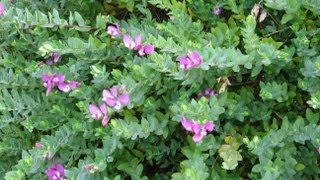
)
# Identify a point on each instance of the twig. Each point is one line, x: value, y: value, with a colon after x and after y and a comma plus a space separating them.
x: 275, y: 32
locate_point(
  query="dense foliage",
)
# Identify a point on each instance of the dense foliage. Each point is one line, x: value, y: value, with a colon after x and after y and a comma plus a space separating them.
x: 159, y: 89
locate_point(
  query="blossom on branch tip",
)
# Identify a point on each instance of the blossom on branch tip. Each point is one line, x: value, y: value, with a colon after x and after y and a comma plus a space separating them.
x: 38, y: 145
x: 99, y: 112
x: 115, y: 97
x: 136, y: 44
x: 50, y: 81
x: 55, y: 172
x: 114, y: 30
x: 207, y: 93
x: 199, y: 131
x: 54, y: 58
x: 193, y: 59
x: 217, y: 10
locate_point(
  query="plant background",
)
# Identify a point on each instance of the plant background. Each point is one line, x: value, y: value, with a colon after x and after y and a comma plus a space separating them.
x: 266, y: 120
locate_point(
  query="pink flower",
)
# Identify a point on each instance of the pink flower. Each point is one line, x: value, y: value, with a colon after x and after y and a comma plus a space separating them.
x: 99, y: 112
x: 90, y: 167
x: 199, y: 131
x: 55, y: 172
x: 68, y: 87
x: 217, y: 10
x: 2, y: 9
x: 115, y: 97
x: 54, y: 58
x: 193, y: 59
x: 136, y: 44
x: 49, y: 82
x: 38, y: 145
x: 114, y: 30
x: 207, y: 93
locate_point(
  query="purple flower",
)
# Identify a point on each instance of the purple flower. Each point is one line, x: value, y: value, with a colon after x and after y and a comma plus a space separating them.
x: 38, y: 145
x: 2, y: 9
x: 193, y: 59
x: 207, y: 93
x: 55, y: 172
x: 217, y: 10
x: 49, y: 82
x: 114, y: 30
x: 54, y: 58
x: 136, y: 44
x: 199, y: 131
x: 116, y: 97
x: 99, y: 112
x: 68, y: 87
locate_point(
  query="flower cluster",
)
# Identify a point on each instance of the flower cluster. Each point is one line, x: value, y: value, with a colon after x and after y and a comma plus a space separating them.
x: 136, y: 44
x: 54, y: 58
x: 50, y: 81
x: 132, y: 44
x: 207, y: 93
x: 55, y: 172
x: 193, y: 59
x: 199, y: 131
x: 114, y: 97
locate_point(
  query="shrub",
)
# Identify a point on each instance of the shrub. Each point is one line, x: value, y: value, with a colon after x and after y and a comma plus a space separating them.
x: 159, y: 89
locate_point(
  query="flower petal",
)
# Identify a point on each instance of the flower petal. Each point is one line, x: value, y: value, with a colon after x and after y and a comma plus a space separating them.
x: 46, y: 77
x: 114, y: 91
x: 64, y: 87
x: 138, y: 40
x: 74, y: 84
x: 104, y: 109
x: 124, y: 99
x: 60, y: 169
x: 113, y: 30
x: 128, y: 41
x: 106, y: 94
x: 209, y: 126
x: 105, y: 120
x: 196, y: 128
x: 95, y: 111
x: 2, y: 8
x: 188, y: 125
x: 148, y: 49
x: 111, y: 101
x: 197, y: 137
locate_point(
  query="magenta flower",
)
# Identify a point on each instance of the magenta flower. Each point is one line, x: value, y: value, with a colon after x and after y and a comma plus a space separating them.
x: 207, y: 93
x: 217, y: 10
x: 68, y: 87
x: 114, y: 30
x: 136, y: 44
x: 55, y: 172
x: 2, y: 9
x: 49, y: 82
x: 116, y: 97
x: 193, y: 59
x: 38, y: 145
x: 199, y: 131
x: 99, y: 112
x: 54, y: 58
